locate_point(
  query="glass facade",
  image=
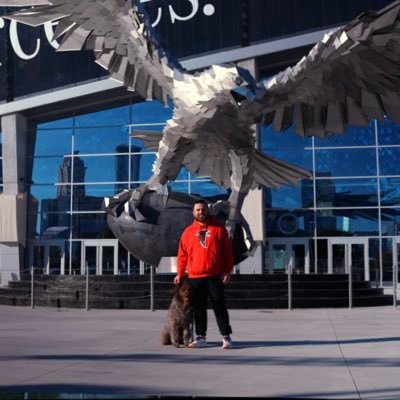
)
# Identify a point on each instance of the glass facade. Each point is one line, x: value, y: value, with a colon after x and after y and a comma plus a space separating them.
x: 354, y: 191
x: 79, y: 160
x: 76, y: 162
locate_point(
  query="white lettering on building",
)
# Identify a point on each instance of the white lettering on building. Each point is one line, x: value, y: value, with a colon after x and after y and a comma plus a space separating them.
x: 208, y: 10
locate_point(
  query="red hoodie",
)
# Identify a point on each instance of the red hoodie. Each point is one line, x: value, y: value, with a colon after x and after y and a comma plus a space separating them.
x: 205, y: 250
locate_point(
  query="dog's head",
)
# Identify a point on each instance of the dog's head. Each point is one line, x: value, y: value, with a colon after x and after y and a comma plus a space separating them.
x: 182, y: 293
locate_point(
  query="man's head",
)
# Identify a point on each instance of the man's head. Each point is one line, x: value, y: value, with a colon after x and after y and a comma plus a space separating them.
x: 200, y: 211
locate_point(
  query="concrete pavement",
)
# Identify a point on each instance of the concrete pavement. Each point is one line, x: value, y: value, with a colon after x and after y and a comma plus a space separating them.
x: 313, y: 354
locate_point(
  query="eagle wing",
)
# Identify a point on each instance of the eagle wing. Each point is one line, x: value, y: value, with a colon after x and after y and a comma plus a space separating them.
x: 121, y: 39
x: 350, y: 76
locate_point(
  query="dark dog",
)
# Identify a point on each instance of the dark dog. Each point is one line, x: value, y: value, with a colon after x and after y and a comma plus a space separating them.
x: 178, y: 326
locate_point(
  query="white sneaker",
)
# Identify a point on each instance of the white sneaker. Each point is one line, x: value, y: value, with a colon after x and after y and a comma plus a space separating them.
x: 227, y: 342
x: 199, y: 342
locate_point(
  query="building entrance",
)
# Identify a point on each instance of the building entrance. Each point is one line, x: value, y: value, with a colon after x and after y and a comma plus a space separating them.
x: 346, y: 252
x: 48, y: 257
x: 289, y: 252
x: 100, y: 257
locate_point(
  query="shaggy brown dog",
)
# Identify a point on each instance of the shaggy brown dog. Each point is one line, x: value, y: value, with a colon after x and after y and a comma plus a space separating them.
x: 178, y: 326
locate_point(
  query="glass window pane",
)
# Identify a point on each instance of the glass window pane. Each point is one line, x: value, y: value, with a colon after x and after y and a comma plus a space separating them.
x: 49, y: 225
x: 272, y: 140
x: 389, y: 160
x: 388, y: 132
x: 49, y: 170
x: 99, y: 190
x: 345, y: 162
x: 87, y: 203
x: 390, y: 191
x: 346, y: 192
x: 183, y: 175
x: 91, y: 226
x: 112, y: 168
x: 289, y: 197
x: 111, y: 117
x: 53, y: 142
x: 281, y: 223
x: 145, y: 169
x: 182, y: 187
x: 390, y: 220
x: 75, y: 248
x: 387, y: 259
x: 347, y: 222
x: 45, y: 194
x: 57, y: 124
x: 38, y: 259
x: 102, y: 140
x: 150, y: 112
x: 122, y: 260
x: 287, y: 146
x: 207, y: 189
x: 353, y: 136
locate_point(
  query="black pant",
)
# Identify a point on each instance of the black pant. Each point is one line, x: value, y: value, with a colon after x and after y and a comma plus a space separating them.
x: 212, y: 287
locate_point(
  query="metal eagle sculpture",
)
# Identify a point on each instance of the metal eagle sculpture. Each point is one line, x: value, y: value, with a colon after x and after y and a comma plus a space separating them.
x: 349, y: 77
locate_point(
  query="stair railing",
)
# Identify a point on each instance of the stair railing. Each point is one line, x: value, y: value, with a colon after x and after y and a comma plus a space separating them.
x: 350, y: 286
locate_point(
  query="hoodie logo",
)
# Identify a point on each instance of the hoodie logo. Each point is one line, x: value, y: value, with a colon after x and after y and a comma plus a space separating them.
x: 203, y: 235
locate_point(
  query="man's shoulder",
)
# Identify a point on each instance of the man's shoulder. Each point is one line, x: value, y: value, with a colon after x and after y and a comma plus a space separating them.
x: 188, y: 229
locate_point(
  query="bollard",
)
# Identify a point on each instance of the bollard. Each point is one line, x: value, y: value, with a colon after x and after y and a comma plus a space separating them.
x: 350, y: 287
x: 289, y: 272
x: 32, y: 287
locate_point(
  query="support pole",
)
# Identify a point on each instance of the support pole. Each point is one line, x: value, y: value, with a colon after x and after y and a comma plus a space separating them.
x: 289, y: 273
x: 151, y: 288
x: 32, y: 287
x: 350, y: 287
x: 395, y: 274
x: 87, y: 289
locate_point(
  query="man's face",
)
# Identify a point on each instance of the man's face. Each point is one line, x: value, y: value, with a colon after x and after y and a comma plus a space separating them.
x: 200, y: 212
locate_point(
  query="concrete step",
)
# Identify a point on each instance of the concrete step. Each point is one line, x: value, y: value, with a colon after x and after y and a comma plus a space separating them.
x: 244, y: 291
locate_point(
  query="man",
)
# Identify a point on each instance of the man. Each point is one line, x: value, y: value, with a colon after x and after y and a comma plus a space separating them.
x: 205, y: 253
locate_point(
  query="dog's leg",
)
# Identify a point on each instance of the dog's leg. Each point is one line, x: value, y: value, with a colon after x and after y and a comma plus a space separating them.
x: 175, y: 335
x: 181, y: 335
x: 165, y: 337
